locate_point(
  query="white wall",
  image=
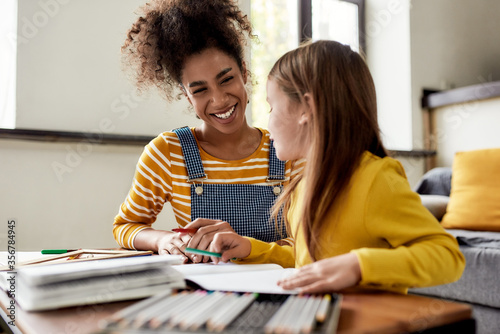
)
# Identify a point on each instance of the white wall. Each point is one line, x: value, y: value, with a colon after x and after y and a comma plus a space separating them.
x: 69, y: 78
x: 465, y: 127
x: 76, y: 210
x: 454, y: 43
x: 413, y: 45
x: 69, y: 73
x: 388, y: 56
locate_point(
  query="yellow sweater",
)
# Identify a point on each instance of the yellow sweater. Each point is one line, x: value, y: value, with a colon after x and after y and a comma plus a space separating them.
x: 161, y: 176
x: 398, y: 242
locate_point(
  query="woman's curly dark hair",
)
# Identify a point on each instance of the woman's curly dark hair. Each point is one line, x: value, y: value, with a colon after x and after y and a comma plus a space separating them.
x: 169, y: 31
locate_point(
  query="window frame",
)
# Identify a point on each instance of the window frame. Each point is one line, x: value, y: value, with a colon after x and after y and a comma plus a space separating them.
x: 305, y: 21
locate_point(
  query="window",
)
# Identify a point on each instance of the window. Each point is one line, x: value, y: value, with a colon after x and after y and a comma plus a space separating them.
x: 8, y: 53
x: 278, y: 33
x: 281, y: 24
x: 337, y: 20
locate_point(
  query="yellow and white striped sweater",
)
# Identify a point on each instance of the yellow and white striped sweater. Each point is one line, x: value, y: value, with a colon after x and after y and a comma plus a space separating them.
x: 161, y: 176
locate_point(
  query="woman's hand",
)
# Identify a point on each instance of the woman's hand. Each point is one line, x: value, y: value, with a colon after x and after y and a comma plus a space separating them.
x: 173, y: 243
x: 162, y: 242
x: 206, y: 230
x: 231, y: 245
x: 327, y: 275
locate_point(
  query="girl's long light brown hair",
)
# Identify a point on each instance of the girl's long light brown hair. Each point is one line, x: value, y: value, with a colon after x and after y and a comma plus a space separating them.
x: 342, y: 128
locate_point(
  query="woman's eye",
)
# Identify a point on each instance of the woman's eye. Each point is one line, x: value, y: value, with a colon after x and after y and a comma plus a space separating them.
x: 226, y: 79
x: 199, y: 90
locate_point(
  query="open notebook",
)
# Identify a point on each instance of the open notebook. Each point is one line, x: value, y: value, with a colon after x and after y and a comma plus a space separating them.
x: 260, y: 278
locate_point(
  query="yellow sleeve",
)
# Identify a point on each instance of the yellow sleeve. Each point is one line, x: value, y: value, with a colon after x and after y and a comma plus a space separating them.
x: 421, y: 252
x: 269, y: 252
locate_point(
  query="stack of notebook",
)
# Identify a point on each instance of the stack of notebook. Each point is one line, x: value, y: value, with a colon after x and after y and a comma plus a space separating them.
x: 94, y: 282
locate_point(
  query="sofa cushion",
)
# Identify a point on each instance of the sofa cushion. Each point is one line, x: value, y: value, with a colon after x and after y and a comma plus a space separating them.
x: 479, y: 283
x: 436, y: 204
x: 475, y: 191
x: 483, y: 239
x: 436, y: 181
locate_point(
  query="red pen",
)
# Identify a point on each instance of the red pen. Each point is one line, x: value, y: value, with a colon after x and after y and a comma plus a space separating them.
x: 185, y: 230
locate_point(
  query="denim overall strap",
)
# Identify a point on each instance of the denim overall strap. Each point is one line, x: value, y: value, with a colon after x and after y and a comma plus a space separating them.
x: 191, y: 153
x: 276, y: 166
x: 246, y: 207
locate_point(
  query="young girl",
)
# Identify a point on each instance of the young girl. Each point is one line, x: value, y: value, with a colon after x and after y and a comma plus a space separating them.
x: 355, y: 220
x: 220, y: 176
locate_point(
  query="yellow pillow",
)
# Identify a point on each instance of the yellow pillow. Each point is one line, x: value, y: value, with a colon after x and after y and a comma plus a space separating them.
x: 475, y: 191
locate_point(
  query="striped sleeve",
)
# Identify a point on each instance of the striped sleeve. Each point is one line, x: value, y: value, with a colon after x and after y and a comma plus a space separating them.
x: 151, y: 187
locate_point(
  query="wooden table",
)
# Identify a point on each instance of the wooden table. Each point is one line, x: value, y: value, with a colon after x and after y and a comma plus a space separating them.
x: 360, y: 313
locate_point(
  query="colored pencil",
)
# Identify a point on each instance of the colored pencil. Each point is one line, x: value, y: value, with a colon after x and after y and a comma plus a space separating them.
x: 163, y: 317
x: 242, y: 303
x: 184, y: 310
x: 204, y: 317
x: 310, y: 319
x: 231, y: 301
x: 323, y: 308
x: 57, y: 251
x: 202, y: 252
x: 185, y: 230
x: 207, y: 304
x: 161, y: 307
x: 127, y: 314
x: 278, y: 317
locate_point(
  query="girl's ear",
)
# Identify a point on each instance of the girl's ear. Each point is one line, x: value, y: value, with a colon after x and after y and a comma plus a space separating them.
x: 308, y: 110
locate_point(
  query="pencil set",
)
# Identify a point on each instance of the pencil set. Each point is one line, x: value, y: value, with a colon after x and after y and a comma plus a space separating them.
x: 202, y: 311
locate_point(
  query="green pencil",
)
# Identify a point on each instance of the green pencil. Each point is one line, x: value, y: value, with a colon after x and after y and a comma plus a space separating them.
x: 57, y: 251
x: 202, y: 252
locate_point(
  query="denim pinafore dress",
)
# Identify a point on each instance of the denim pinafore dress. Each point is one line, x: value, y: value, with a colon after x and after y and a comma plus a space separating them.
x: 246, y: 207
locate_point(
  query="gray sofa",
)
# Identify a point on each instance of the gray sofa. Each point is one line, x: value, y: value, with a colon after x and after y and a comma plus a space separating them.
x: 479, y: 285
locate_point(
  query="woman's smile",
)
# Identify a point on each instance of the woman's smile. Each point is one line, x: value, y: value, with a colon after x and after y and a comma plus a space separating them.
x: 225, y: 115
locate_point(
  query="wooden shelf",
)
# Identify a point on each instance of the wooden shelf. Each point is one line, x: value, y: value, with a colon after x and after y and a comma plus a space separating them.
x: 66, y: 136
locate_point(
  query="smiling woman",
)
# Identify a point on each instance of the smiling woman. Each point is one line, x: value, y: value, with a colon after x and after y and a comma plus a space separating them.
x: 214, y: 85
x: 221, y: 176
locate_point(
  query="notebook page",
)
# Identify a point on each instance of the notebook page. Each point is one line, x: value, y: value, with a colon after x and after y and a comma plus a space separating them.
x: 260, y: 281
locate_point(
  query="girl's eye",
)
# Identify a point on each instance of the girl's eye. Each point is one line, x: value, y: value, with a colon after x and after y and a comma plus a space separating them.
x: 226, y: 79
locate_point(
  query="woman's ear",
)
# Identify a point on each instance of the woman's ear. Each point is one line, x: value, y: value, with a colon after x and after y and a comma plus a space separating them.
x: 308, y: 109
x: 244, y: 72
x: 181, y: 86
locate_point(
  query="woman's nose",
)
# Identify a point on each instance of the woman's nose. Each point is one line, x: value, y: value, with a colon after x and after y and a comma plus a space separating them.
x: 219, y: 98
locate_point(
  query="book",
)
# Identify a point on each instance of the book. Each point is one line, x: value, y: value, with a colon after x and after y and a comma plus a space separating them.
x: 93, y: 282
x: 34, y: 258
x: 258, y: 278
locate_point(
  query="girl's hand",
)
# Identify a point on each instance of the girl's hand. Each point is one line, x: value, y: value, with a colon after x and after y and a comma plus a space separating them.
x: 231, y: 245
x: 206, y: 230
x: 327, y: 275
x: 173, y: 243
